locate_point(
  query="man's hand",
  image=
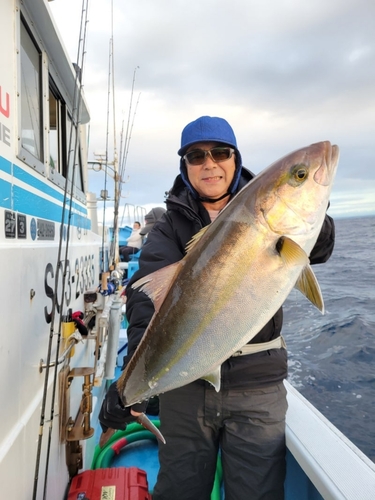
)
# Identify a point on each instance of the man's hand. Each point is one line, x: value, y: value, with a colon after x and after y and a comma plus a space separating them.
x: 113, y: 414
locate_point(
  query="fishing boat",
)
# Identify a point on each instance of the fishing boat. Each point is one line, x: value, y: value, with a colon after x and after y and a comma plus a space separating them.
x: 61, y: 307
x: 54, y: 257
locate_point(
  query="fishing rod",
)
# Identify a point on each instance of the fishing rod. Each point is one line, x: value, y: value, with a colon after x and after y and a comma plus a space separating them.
x: 77, y: 100
x: 115, y: 247
x: 124, y: 157
x: 113, y: 255
x: 72, y: 155
x: 106, y: 158
x: 122, y: 172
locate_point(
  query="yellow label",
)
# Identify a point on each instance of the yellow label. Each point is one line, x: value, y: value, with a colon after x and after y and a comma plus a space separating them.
x: 67, y: 329
x: 108, y: 493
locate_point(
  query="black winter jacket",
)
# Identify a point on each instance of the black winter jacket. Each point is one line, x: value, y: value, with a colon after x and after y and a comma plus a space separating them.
x: 166, y: 244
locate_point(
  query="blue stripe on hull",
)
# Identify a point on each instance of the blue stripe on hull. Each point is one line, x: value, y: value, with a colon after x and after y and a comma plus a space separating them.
x: 30, y: 180
x: 13, y: 197
x: 5, y: 194
x: 5, y: 165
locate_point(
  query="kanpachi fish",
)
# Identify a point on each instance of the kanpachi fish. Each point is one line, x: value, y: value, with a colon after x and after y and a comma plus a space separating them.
x: 236, y: 274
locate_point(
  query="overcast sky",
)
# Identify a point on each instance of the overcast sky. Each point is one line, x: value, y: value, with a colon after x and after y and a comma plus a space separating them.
x: 284, y: 73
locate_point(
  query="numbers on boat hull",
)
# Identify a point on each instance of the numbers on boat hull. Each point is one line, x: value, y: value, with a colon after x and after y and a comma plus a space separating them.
x: 77, y: 281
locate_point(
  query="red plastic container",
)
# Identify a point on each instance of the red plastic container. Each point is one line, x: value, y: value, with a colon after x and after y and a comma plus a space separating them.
x: 120, y: 483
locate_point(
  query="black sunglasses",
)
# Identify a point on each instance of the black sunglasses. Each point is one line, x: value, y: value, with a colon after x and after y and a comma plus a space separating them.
x: 217, y: 154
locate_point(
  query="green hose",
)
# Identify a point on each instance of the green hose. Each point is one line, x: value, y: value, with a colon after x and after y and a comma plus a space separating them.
x: 130, y: 429
x: 135, y: 432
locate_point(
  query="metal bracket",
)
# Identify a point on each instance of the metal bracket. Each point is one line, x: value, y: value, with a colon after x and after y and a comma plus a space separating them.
x: 81, y: 427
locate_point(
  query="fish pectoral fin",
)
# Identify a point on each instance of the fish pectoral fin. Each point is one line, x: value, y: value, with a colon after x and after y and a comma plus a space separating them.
x: 309, y: 286
x: 214, y: 378
x: 194, y: 240
x: 291, y: 253
x: 156, y: 285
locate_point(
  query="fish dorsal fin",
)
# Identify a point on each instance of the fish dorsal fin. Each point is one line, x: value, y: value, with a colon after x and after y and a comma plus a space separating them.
x: 194, y: 240
x: 291, y: 253
x: 214, y: 378
x: 309, y: 286
x: 156, y: 285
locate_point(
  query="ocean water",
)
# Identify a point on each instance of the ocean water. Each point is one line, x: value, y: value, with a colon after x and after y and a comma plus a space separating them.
x: 332, y: 356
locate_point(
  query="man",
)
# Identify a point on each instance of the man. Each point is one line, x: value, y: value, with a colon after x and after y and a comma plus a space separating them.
x: 150, y: 218
x: 246, y: 418
x: 133, y: 243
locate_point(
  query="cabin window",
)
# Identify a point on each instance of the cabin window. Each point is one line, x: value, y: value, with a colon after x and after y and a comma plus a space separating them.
x: 48, y: 135
x: 63, y: 141
x: 57, y: 130
x: 31, y: 96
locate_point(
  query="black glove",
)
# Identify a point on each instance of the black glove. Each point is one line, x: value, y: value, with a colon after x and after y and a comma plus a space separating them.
x: 113, y: 414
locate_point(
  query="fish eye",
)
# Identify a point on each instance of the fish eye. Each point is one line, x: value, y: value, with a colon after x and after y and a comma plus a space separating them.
x: 299, y: 173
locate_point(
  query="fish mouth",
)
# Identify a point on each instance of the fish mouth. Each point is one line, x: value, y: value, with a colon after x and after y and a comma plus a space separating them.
x: 327, y: 169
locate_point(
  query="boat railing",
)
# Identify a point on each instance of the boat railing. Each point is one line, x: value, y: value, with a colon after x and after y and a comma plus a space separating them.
x: 335, y: 466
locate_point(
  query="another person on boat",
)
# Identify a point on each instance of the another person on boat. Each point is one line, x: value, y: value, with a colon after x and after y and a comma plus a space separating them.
x: 133, y: 244
x: 246, y: 418
x: 150, y: 218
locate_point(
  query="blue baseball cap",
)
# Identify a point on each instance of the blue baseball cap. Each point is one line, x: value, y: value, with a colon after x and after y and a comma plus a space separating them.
x: 209, y: 129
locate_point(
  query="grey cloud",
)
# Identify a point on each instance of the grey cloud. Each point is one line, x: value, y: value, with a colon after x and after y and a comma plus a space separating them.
x: 287, y: 72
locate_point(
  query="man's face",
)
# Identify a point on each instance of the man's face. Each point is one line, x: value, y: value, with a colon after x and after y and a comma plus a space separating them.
x: 211, y: 179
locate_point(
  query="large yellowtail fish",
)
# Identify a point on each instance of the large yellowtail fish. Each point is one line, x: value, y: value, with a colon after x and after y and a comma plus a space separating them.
x: 236, y: 274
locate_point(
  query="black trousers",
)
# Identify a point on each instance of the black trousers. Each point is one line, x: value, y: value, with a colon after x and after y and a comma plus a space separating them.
x: 247, y: 426
x: 126, y: 252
